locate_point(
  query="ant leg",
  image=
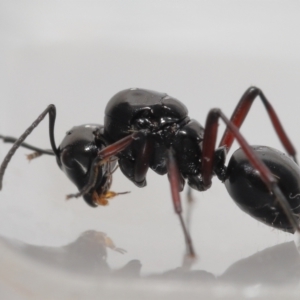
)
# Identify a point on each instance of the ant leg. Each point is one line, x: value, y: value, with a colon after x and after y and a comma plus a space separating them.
x: 209, y: 142
x: 52, y: 115
x: 136, y: 170
x: 139, y: 168
x: 241, y: 112
x: 142, y: 159
x: 190, y: 205
x: 175, y: 183
x: 103, y: 157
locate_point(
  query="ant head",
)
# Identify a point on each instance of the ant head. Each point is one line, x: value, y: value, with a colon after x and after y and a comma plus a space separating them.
x: 75, y: 157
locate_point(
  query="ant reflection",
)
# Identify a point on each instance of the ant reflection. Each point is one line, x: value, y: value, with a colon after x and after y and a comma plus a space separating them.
x: 277, y: 265
x: 87, y: 255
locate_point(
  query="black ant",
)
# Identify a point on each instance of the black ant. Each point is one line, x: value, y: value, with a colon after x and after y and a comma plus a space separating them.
x: 145, y: 129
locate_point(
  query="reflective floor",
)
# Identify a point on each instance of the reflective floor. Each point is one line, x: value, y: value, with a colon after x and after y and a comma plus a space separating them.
x: 87, y: 255
x: 83, y: 263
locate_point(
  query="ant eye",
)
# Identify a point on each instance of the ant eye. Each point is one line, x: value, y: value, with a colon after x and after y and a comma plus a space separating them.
x: 67, y: 158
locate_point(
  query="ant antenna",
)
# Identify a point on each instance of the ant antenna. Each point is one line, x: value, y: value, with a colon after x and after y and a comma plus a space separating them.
x: 19, y: 142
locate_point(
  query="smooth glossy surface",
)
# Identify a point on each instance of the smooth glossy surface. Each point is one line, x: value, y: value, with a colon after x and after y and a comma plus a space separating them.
x: 76, y: 154
x: 250, y: 193
x: 165, y: 123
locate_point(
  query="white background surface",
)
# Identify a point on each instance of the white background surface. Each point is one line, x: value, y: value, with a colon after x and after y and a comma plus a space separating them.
x: 77, y: 55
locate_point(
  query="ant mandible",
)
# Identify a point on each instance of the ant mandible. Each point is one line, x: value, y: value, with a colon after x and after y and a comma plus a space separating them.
x: 145, y: 129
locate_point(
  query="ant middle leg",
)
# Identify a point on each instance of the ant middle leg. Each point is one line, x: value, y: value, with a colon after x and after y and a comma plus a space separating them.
x: 136, y: 170
x: 176, y: 184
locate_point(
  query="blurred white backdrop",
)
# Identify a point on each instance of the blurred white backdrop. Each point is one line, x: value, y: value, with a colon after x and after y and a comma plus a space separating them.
x: 78, y: 54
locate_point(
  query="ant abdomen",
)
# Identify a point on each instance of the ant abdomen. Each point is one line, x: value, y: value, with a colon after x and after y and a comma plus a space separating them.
x: 250, y: 193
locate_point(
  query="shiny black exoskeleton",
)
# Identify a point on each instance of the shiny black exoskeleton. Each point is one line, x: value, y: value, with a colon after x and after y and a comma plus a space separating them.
x: 245, y: 186
x: 145, y: 129
x: 75, y: 156
x: 164, y: 123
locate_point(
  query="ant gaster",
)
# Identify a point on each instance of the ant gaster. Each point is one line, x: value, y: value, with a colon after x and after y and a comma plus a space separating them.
x: 145, y: 129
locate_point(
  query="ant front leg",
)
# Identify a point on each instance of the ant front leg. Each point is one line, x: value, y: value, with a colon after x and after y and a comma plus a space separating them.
x: 241, y: 112
x: 103, y: 157
x: 208, y: 162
